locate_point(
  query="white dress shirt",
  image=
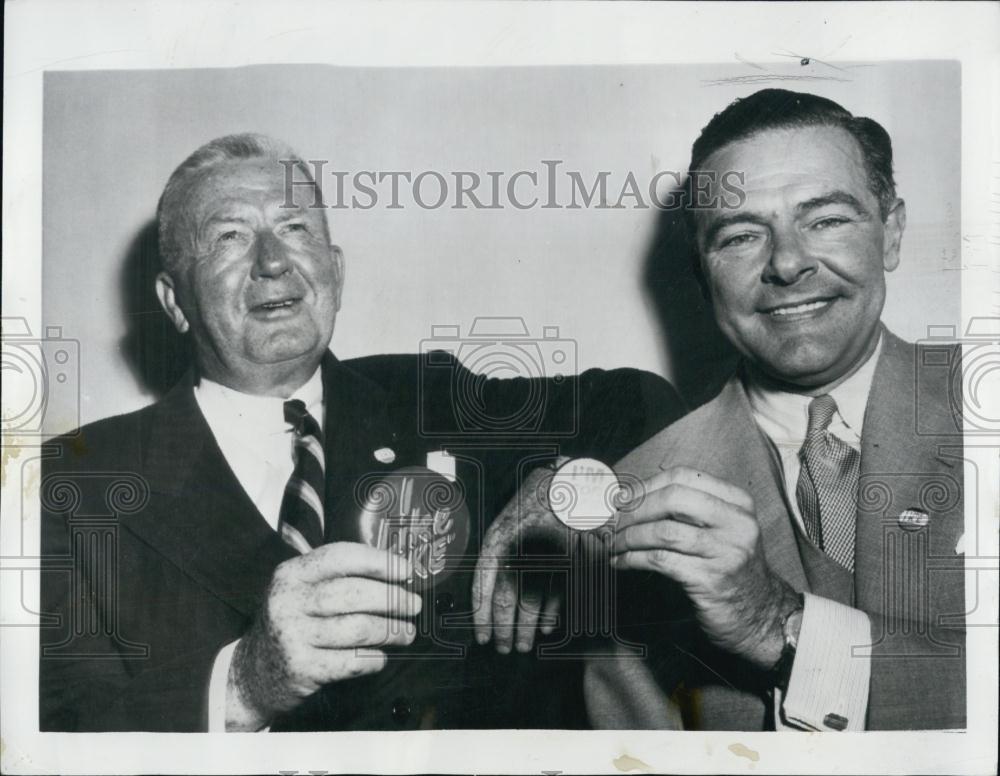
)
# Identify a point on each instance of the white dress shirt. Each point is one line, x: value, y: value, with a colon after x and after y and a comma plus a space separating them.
x: 254, y: 438
x: 826, y: 676
x: 258, y: 445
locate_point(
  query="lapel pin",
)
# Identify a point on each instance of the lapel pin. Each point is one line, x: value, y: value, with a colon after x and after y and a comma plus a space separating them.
x: 913, y: 519
x: 385, y: 455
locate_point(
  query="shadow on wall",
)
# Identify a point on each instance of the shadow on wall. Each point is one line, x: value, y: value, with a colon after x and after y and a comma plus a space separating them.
x: 153, y: 349
x: 701, y: 358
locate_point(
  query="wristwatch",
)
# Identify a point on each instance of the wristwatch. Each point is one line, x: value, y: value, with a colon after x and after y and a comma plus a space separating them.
x: 790, y: 623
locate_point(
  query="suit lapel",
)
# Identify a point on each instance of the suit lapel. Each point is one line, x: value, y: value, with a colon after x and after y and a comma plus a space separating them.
x: 723, y: 439
x: 199, y: 517
x: 357, y: 426
x: 900, y: 467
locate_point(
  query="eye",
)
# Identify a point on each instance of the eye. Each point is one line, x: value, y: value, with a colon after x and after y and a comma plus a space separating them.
x: 296, y: 226
x: 830, y: 222
x: 228, y: 236
x: 738, y: 240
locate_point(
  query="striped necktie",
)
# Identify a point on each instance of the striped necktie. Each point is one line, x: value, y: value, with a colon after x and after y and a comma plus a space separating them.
x: 828, y: 484
x: 301, y: 519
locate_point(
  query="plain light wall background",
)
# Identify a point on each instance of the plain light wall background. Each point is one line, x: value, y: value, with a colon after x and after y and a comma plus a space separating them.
x: 112, y: 138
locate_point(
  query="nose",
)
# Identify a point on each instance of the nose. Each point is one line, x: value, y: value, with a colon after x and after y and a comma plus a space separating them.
x: 789, y: 261
x: 272, y: 259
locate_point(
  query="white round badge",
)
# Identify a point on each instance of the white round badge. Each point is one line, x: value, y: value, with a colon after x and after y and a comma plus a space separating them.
x: 584, y: 493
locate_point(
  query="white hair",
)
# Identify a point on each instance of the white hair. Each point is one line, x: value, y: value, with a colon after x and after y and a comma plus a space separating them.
x: 239, y: 147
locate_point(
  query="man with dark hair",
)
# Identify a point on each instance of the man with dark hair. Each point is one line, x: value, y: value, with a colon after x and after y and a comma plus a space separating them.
x: 794, y: 560
x: 206, y: 565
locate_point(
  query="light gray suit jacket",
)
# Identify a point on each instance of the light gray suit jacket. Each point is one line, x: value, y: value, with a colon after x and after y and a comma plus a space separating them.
x: 909, y: 579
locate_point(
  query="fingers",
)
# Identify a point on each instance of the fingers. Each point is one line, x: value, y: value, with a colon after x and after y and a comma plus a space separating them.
x: 521, y: 606
x: 504, y: 610
x: 699, y: 480
x: 680, y: 568
x: 549, y: 618
x: 665, y: 534
x: 529, y: 608
x: 684, y: 503
x: 333, y: 665
x: 359, y: 630
x: 499, y: 542
x: 525, y: 516
x: 483, y: 585
x: 342, y: 595
x: 351, y: 559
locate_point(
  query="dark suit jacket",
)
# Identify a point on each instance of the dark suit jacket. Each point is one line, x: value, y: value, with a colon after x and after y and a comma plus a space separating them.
x: 155, y: 557
x: 909, y: 582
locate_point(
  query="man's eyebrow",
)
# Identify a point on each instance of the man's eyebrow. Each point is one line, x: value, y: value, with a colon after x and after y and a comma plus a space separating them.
x: 288, y: 213
x: 833, y: 198
x: 226, y: 218
x: 741, y: 217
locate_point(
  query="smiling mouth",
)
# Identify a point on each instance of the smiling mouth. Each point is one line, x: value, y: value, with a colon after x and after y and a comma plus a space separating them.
x: 276, y: 305
x: 796, y: 310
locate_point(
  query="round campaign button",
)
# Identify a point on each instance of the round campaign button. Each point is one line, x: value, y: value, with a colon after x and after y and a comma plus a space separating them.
x: 417, y: 513
x: 584, y: 493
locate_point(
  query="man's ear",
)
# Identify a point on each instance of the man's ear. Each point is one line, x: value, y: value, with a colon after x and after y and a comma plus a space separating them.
x: 168, y: 301
x: 895, y: 224
x: 338, y: 270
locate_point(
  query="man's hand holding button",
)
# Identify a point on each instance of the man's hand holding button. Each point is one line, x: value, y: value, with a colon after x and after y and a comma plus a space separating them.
x: 326, y: 616
x: 501, y: 603
x: 702, y: 532
x: 550, y: 506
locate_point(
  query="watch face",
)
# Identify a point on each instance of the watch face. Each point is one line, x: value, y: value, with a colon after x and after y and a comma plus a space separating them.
x: 417, y: 513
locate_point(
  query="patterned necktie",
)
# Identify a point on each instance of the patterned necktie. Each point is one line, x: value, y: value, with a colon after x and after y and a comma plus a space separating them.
x: 302, y: 518
x: 828, y: 485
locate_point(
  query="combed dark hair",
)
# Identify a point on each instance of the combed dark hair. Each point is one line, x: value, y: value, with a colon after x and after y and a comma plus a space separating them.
x: 239, y: 147
x: 782, y: 109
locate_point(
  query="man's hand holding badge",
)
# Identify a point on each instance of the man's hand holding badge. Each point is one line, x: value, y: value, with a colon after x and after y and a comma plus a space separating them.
x: 702, y: 533
x: 327, y: 616
x: 689, y: 526
x: 351, y: 599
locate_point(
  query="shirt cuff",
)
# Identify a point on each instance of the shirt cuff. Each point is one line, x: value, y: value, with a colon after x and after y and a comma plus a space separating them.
x: 828, y: 686
x: 217, y: 688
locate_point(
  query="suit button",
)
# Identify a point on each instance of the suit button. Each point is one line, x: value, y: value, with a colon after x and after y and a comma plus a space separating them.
x: 400, y: 711
x: 913, y: 519
x: 444, y: 602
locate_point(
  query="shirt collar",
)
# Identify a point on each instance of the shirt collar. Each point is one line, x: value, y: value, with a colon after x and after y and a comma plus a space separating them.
x: 784, y: 416
x: 250, y: 416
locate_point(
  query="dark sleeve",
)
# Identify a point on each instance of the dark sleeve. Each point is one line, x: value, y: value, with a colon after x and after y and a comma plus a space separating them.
x: 601, y: 414
x: 619, y: 409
